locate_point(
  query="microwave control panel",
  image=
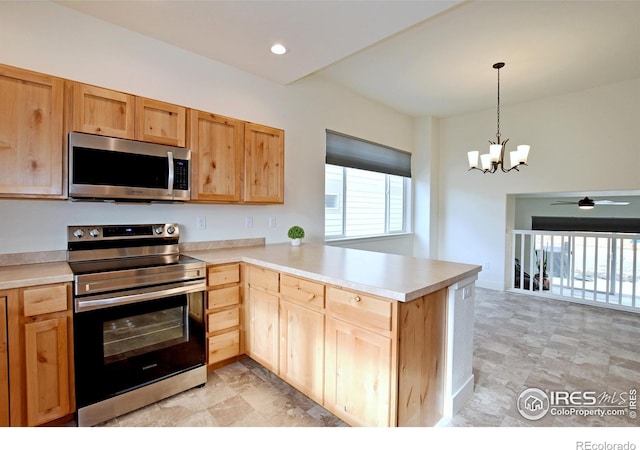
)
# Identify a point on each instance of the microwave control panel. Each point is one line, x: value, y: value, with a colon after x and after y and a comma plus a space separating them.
x: 181, y: 174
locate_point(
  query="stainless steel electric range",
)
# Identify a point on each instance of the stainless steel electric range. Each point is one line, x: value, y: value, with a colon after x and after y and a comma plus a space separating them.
x: 139, y: 330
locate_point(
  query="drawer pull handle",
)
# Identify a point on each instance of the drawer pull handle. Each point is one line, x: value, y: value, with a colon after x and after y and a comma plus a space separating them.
x: 357, y: 298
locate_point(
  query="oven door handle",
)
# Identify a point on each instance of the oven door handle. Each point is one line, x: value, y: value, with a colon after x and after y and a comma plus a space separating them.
x: 84, y: 304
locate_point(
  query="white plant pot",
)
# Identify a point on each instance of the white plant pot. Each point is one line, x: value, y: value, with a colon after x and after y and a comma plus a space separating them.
x: 295, y: 242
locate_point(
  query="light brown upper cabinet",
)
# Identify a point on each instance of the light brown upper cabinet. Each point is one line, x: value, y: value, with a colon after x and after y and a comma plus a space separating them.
x: 31, y: 134
x: 235, y: 161
x: 160, y: 122
x: 264, y: 164
x: 97, y: 110
x: 101, y: 111
x: 217, y: 155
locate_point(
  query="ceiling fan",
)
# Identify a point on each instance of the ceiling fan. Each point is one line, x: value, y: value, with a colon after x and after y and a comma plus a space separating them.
x: 587, y: 203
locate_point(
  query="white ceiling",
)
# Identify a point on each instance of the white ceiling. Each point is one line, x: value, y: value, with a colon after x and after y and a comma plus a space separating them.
x: 421, y: 57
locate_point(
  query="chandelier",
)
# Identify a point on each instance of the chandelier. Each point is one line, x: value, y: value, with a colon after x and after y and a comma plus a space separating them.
x: 495, y: 158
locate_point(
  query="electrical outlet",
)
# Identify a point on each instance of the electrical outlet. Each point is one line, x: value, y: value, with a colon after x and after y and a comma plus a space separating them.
x: 248, y: 222
x: 202, y: 223
x: 272, y: 221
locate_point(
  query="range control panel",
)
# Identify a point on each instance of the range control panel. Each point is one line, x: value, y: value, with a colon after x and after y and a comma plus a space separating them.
x: 77, y: 233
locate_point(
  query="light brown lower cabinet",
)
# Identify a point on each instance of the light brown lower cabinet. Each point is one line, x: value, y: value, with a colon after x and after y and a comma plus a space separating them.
x: 262, y: 342
x: 369, y: 360
x: 358, y: 374
x: 4, y: 365
x: 40, y: 348
x: 385, y: 360
x: 302, y: 349
x: 261, y: 315
x: 223, y: 313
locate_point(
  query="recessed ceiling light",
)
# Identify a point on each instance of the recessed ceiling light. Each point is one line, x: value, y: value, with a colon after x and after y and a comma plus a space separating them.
x: 278, y: 49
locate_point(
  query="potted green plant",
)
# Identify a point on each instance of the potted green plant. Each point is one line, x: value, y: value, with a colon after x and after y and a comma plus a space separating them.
x: 295, y: 233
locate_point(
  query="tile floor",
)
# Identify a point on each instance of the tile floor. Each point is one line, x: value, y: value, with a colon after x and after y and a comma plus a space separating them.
x: 520, y: 342
x: 243, y: 394
x: 523, y: 342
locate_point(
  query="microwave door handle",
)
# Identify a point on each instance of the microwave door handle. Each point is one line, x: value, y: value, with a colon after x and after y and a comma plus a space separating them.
x: 171, y: 174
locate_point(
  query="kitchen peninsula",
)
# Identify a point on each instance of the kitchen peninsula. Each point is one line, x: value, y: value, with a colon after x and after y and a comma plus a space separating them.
x: 378, y: 339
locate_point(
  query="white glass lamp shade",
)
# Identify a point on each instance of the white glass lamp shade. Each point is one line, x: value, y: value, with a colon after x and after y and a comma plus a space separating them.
x: 473, y: 159
x: 523, y: 151
x: 486, y: 161
x: 494, y: 151
x: 514, y: 158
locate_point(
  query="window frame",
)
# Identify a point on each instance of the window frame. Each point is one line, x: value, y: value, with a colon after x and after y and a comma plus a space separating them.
x: 342, y: 198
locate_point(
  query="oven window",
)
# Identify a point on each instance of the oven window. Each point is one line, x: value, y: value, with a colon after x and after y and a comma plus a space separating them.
x: 143, y: 333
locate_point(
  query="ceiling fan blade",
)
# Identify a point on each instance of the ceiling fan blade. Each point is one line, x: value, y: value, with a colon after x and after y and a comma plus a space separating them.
x: 563, y: 203
x: 609, y: 202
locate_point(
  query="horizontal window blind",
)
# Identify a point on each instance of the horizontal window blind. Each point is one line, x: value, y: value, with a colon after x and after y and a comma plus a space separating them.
x: 593, y: 224
x: 348, y: 151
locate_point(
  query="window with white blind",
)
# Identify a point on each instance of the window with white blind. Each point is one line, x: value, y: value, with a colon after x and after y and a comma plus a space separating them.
x: 366, y: 188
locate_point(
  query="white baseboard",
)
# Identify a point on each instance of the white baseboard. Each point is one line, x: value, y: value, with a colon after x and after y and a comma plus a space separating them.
x: 454, y: 404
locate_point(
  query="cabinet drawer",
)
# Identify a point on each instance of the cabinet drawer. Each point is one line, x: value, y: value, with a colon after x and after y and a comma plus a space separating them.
x: 360, y: 308
x: 45, y: 299
x: 222, y: 320
x: 219, y: 298
x: 303, y: 292
x: 224, y: 346
x: 264, y: 278
x: 219, y: 275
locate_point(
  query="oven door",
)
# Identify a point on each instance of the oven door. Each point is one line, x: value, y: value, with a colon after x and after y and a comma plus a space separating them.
x: 121, y: 348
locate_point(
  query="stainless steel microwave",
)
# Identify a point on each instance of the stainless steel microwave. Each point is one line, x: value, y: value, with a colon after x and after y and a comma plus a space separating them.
x: 107, y: 168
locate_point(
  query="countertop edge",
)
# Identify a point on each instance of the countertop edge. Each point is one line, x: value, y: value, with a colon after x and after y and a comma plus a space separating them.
x: 363, y: 287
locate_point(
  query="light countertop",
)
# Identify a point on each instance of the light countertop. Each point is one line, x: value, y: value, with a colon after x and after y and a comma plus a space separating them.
x: 24, y: 275
x: 397, y: 277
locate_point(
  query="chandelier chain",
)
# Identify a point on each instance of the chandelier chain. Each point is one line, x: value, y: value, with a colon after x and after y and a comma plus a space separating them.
x: 498, y: 131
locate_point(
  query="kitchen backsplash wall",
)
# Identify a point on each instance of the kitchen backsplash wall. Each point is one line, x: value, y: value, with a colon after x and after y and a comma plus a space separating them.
x: 40, y: 225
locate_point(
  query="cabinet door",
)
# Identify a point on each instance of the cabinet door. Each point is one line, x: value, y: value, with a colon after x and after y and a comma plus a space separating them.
x: 217, y: 154
x: 40, y: 327
x: 263, y: 329
x: 264, y: 164
x: 4, y: 367
x: 47, y: 369
x: 31, y: 133
x: 302, y: 349
x: 101, y: 111
x: 358, y: 374
x: 159, y: 122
